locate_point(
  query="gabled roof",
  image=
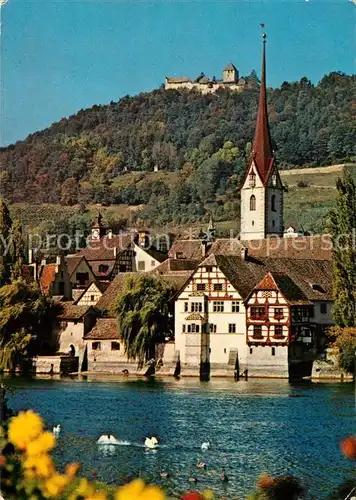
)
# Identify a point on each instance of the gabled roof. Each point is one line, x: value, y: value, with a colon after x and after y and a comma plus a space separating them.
x: 295, y: 277
x: 69, y: 310
x: 188, y: 249
x: 104, y: 329
x: 72, y: 262
x: 154, y: 253
x: 106, y: 247
x: 282, y: 282
x: 230, y: 67
x: 47, y: 277
x: 115, y: 288
x: 100, y: 285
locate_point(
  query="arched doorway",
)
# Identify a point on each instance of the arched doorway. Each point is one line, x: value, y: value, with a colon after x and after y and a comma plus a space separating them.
x: 72, y: 350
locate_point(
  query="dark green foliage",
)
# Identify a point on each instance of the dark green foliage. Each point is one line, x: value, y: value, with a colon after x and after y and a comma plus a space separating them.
x: 78, y: 159
x: 25, y: 322
x: 343, y: 229
x: 16, y: 250
x: 143, y: 316
x: 5, y: 232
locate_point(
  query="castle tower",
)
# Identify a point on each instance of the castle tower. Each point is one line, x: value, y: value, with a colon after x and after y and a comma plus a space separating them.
x: 230, y: 74
x: 262, y: 189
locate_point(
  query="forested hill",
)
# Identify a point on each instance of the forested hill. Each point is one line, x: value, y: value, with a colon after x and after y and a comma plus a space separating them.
x: 81, y: 159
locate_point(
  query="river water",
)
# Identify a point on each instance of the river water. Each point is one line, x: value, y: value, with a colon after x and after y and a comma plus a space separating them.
x: 253, y: 427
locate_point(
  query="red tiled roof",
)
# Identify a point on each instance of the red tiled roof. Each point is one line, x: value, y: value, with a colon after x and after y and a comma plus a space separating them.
x: 103, y: 249
x: 289, y: 289
x: 104, y: 329
x: 47, y: 277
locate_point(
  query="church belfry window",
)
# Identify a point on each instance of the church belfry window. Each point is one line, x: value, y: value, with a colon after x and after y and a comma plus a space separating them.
x: 252, y: 179
x: 273, y: 203
x: 253, y: 203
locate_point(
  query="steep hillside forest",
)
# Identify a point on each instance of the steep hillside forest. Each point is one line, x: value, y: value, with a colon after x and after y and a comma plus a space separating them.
x: 202, y: 142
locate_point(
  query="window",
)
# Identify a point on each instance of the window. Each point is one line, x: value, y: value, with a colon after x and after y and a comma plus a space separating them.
x: 212, y: 328
x: 235, y: 306
x: 186, y: 305
x: 218, y: 306
x: 96, y: 346
x: 273, y: 223
x: 253, y: 222
x: 201, y: 287
x: 312, y: 311
x: 278, y: 312
x: 278, y: 331
x: 274, y: 180
x: 183, y: 328
x: 251, y: 350
x: 122, y: 268
x: 193, y: 328
x: 232, y: 328
x: 258, y: 312
x: 153, y: 263
x: 103, y: 268
x: 92, y: 298
x: 61, y: 288
x: 209, y: 269
x: 252, y: 179
x: 253, y: 203
x: 323, y: 308
x: 179, y: 255
x: 82, y: 278
x: 273, y: 351
x: 115, y: 346
x: 141, y: 265
x: 196, y: 307
x: 273, y: 203
x: 257, y: 331
x: 224, y: 351
x: 218, y: 287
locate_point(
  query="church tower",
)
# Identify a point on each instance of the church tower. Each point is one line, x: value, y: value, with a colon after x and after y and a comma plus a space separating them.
x: 262, y: 189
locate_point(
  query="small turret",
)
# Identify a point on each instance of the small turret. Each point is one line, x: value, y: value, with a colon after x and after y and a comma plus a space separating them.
x: 230, y: 74
x: 98, y: 230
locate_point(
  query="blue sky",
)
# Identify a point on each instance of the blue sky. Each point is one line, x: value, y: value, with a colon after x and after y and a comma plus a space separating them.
x: 62, y: 56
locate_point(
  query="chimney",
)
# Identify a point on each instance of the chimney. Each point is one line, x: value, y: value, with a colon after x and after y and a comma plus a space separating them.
x: 244, y: 254
x: 30, y: 255
x: 109, y: 235
x: 203, y: 248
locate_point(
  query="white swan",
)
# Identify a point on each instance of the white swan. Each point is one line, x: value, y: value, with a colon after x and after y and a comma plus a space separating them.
x: 56, y: 430
x: 107, y: 439
x: 151, y: 443
x: 205, y: 446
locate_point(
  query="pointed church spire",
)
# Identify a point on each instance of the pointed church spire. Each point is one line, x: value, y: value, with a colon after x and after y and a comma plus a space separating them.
x: 262, y: 147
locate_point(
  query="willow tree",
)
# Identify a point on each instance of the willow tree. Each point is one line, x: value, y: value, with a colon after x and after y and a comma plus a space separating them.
x: 342, y: 226
x: 25, y: 322
x: 143, y: 315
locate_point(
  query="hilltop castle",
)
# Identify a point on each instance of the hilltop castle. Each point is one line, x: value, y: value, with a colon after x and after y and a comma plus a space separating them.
x: 230, y: 80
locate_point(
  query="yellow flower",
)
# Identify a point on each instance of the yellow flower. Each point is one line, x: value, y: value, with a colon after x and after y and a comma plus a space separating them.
x: 72, y: 469
x: 41, y: 465
x: 98, y: 495
x: 208, y: 495
x: 24, y: 428
x: 85, y: 489
x: 137, y: 490
x: 43, y: 444
x: 55, y: 485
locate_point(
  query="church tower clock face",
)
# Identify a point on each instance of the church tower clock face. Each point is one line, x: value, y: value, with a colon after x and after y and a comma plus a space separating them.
x: 95, y: 234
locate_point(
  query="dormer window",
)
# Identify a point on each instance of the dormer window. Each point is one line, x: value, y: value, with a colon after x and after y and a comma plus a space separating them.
x: 252, y: 179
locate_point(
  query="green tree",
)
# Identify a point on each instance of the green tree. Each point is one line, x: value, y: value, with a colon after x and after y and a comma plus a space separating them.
x: 16, y: 250
x: 143, y: 315
x: 25, y: 322
x: 5, y: 232
x: 343, y: 227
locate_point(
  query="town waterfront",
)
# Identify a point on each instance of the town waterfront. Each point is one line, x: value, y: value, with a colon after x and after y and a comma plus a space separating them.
x: 253, y: 427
